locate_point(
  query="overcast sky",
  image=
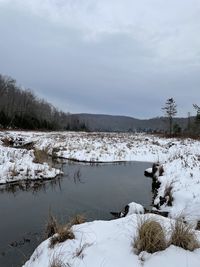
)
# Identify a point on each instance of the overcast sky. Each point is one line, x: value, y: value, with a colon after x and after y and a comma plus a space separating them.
x: 104, y: 56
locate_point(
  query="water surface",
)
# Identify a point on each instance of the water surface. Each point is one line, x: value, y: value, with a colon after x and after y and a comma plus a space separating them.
x: 93, y: 190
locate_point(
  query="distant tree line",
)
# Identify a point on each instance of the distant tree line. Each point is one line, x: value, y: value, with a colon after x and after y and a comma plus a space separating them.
x: 21, y: 108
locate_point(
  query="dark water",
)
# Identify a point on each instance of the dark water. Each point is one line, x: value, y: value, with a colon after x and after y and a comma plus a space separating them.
x: 84, y: 189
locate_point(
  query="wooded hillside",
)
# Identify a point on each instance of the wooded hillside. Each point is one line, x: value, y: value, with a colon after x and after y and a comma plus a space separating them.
x: 21, y: 108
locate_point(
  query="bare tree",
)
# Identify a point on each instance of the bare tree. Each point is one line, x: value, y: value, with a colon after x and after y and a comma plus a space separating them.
x: 170, y: 110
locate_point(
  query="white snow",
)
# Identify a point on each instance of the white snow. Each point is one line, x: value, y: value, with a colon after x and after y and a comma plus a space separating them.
x: 135, y: 208
x: 109, y: 244
x: 149, y: 170
x: 18, y: 164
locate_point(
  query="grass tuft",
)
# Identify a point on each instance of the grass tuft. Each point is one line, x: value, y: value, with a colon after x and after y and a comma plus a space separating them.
x: 51, y: 226
x: 7, y: 141
x: 184, y: 236
x: 57, y: 262
x: 60, y: 233
x: 41, y: 156
x: 78, y: 219
x: 80, y: 251
x: 150, y: 237
x: 64, y: 233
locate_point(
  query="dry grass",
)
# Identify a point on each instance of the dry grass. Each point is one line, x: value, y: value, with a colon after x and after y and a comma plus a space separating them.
x: 57, y: 262
x: 14, y: 172
x: 54, y: 152
x: 150, y: 237
x: 51, y: 226
x: 60, y: 233
x: 184, y: 236
x: 64, y: 233
x: 80, y: 250
x: 41, y: 156
x: 7, y: 141
x: 78, y: 219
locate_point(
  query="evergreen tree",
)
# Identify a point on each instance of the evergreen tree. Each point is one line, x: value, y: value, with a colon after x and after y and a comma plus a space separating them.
x: 170, y: 110
x: 197, y: 119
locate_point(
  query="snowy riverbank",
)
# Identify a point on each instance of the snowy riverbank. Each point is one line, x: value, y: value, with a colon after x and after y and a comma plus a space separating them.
x: 110, y: 243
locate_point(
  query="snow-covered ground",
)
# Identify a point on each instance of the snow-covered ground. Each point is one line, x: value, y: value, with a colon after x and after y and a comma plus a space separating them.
x: 101, y: 147
x: 110, y: 244
x: 18, y: 164
x: 181, y: 179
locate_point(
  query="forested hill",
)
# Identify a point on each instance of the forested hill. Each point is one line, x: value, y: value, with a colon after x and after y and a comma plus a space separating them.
x: 99, y: 122
x: 22, y: 109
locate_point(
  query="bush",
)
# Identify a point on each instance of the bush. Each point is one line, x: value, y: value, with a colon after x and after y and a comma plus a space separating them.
x: 184, y: 236
x: 150, y: 237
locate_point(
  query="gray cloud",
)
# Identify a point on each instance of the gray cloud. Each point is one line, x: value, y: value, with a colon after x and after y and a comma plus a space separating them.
x: 117, y: 57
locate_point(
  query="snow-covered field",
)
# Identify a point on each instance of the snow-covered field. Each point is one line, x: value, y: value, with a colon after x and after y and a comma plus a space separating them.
x: 180, y: 181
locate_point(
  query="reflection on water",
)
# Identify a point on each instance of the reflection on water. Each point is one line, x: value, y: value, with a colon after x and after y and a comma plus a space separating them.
x: 35, y: 186
x: 41, y: 185
x: 31, y: 186
x: 90, y: 189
